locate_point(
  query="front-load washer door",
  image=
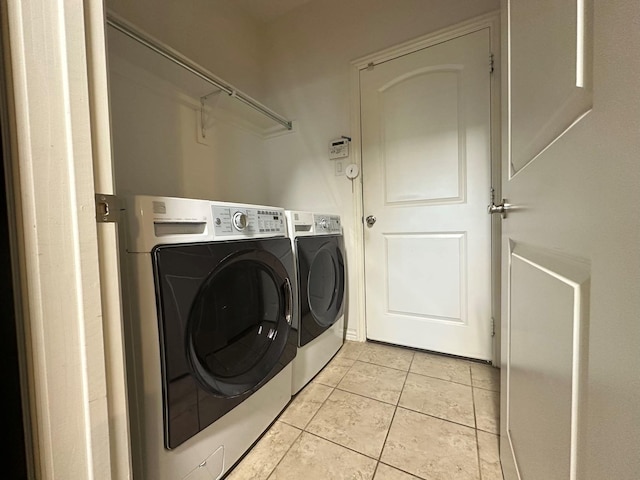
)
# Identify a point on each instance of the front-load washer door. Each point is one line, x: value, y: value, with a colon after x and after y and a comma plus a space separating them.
x: 225, y: 314
x: 322, y: 284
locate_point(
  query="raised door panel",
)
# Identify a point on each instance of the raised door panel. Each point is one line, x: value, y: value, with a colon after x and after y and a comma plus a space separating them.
x: 546, y: 366
x: 427, y: 276
x: 551, y: 77
x: 422, y: 136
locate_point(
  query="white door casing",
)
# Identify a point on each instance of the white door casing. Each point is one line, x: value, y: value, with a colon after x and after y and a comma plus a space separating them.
x: 571, y: 271
x: 59, y: 124
x: 426, y: 154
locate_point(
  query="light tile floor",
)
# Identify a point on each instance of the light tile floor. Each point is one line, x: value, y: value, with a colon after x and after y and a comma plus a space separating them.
x: 378, y: 412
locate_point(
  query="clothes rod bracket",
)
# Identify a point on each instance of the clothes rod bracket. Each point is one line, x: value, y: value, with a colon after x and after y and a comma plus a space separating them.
x: 203, y: 113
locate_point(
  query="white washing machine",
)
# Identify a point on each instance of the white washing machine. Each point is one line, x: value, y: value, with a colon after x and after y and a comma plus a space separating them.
x: 211, y: 332
x: 318, y: 247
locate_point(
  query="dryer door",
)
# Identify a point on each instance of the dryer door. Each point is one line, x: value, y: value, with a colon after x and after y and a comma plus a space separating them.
x: 224, y: 315
x: 322, y: 284
x: 239, y: 323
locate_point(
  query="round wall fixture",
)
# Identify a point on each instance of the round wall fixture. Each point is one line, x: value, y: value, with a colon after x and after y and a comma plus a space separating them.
x: 352, y: 171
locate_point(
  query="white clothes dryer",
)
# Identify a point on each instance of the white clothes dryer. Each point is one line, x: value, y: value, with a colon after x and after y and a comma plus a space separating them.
x: 318, y: 247
x: 211, y: 332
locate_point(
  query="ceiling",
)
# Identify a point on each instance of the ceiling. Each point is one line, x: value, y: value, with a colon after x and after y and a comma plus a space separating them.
x: 268, y: 10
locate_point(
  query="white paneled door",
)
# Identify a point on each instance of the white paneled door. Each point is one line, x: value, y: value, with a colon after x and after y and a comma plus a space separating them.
x: 426, y: 156
x: 571, y: 270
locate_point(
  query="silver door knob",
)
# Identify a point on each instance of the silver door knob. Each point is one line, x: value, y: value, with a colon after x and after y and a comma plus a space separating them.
x: 370, y: 220
x: 500, y: 208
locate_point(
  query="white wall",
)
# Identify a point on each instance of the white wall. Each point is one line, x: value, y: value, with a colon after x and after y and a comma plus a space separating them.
x: 308, y: 53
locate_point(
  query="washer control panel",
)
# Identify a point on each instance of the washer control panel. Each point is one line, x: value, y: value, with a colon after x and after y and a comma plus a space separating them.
x: 327, y: 223
x: 248, y: 222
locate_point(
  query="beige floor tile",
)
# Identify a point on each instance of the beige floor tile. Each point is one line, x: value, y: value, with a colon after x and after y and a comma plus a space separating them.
x: 351, y: 350
x: 431, y: 448
x: 339, y: 361
x: 264, y: 457
x: 439, y: 398
x: 385, y: 472
x: 305, y: 405
x: 489, y: 448
x: 374, y: 381
x: 444, y: 368
x: 487, y: 405
x: 387, y: 356
x: 334, y: 371
x: 485, y: 376
x: 352, y: 421
x: 313, y: 458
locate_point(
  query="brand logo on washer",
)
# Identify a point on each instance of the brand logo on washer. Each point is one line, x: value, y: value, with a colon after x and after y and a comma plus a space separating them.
x: 159, y: 207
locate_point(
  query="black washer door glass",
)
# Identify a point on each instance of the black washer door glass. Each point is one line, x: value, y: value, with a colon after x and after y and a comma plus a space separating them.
x: 325, y: 285
x: 234, y: 324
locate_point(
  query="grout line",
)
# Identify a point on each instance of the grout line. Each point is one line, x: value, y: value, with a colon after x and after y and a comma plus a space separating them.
x: 316, y: 412
x: 386, y: 437
x: 402, y: 470
x: 475, y: 420
x: 294, y: 426
x: 498, y: 412
x: 384, y: 366
x: 371, y: 398
x: 285, y: 453
x: 342, y: 446
x: 486, y: 389
x: 375, y: 470
x: 443, y: 379
x: 319, y: 408
x: 437, y: 418
x: 440, y: 418
x: 341, y: 378
x: 244, y: 457
x: 314, y: 379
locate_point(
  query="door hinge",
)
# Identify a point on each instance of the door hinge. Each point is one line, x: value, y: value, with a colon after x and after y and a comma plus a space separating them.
x: 491, y: 63
x: 493, y: 327
x: 370, y: 66
x: 107, y: 210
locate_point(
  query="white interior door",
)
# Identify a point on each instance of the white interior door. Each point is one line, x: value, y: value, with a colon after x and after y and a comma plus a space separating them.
x: 571, y: 271
x: 426, y: 160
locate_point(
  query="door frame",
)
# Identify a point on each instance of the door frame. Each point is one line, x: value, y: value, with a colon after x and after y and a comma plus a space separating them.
x: 491, y: 21
x: 60, y: 153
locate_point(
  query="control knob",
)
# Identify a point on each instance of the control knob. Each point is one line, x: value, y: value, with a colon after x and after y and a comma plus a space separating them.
x: 240, y: 220
x: 323, y: 223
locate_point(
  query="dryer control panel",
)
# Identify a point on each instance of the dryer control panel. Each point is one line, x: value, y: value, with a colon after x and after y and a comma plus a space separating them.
x: 243, y: 221
x: 327, y: 224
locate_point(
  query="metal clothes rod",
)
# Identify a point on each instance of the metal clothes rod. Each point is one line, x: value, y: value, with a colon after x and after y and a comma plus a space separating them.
x: 177, y: 58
